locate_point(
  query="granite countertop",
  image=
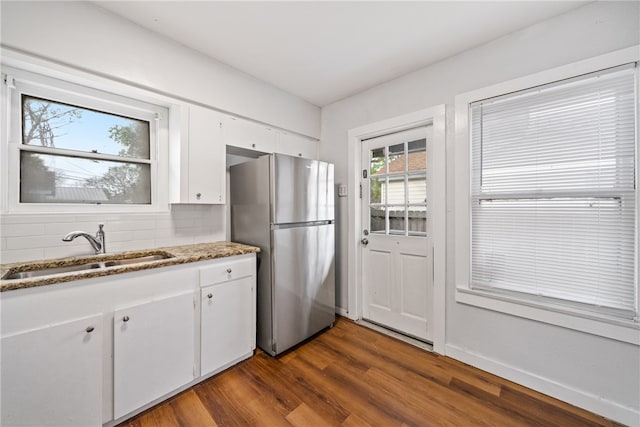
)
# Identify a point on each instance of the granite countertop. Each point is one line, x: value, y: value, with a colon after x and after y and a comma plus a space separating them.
x: 178, y: 255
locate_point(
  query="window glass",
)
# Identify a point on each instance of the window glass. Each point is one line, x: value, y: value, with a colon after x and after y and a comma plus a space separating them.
x: 378, y: 220
x: 72, y: 154
x: 553, y: 192
x: 397, y: 220
x: 399, y: 183
x: 53, y: 124
x: 49, y: 178
x: 396, y: 159
x: 416, y: 188
x: 378, y: 162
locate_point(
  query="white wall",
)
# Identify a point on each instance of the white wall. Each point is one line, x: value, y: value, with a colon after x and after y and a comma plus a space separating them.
x: 86, y: 36
x: 591, y: 371
x: 80, y: 35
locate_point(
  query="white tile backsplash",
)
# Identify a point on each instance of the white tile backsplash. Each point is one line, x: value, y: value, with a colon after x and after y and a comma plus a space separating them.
x: 19, y: 230
x: 32, y: 237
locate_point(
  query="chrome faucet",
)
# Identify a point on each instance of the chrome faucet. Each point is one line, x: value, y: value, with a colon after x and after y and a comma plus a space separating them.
x: 97, y: 243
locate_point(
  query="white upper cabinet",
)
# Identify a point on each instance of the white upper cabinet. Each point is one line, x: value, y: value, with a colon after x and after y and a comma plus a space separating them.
x: 197, y: 156
x: 296, y: 145
x: 245, y: 134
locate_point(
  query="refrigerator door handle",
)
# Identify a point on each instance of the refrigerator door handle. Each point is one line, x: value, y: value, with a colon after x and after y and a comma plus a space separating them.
x: 301, y: 224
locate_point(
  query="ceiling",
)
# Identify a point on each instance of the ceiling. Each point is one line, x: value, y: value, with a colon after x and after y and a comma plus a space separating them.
x: 324, y: 51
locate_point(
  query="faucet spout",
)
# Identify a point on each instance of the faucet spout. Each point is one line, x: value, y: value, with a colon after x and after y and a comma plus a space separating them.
x: 97, y: 242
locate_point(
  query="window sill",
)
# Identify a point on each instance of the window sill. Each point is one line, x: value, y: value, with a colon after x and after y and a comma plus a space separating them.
x: 617, y: 329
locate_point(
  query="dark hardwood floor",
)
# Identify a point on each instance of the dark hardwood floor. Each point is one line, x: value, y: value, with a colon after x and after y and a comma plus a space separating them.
x: 353, y: 376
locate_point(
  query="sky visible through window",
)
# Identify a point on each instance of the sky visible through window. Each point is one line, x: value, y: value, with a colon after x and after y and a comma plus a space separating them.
x: 61, y: 126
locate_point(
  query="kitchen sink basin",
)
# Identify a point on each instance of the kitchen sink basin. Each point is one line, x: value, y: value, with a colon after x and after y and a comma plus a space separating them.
x: 25, y: 272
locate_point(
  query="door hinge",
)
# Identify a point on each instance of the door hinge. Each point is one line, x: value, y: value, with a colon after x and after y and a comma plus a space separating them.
x: 364, y: 173
x: 9, y: 81
x: 361, y: 191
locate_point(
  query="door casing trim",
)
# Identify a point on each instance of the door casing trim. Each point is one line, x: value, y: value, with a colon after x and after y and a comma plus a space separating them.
x: 435, y: 116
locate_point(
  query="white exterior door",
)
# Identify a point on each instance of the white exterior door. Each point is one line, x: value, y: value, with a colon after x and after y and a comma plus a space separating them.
x: 397, y: 257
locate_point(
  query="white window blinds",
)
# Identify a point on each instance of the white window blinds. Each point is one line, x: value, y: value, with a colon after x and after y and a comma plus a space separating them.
x: 553, y: 193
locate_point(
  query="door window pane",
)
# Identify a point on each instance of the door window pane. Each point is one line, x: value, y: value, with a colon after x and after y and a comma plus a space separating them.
x: 377, y: 165
x: 49, y: 178
x: 417, y: 221
x: 396, y: 190
x: 396, y: 158
x: 397, y: 221
x: 378, y: 220
x: 377, y: 190
x: 417, y: 158
x: 417, y: 188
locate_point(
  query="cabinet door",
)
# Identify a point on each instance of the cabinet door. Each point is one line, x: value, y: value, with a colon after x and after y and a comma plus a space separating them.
x: 153, y: 351
x: 207, y: 170
x: 53, y: 375
x: 227, y: 331
x: 295, y: 145
x: 245, y: 134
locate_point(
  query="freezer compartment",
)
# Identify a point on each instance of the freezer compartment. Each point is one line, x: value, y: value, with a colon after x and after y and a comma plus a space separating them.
x: 302, y: 190
x: 303, y: 283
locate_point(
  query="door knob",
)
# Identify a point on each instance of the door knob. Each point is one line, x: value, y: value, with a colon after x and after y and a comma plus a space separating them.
x: 364, y: 241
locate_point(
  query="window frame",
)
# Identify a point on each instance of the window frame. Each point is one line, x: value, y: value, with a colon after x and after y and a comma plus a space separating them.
x: 21, y: 82
x: 403, y: 137
x: 544, y: 311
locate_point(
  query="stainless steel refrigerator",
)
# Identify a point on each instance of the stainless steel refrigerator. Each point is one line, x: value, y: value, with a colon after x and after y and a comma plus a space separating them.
x: 285, y: 206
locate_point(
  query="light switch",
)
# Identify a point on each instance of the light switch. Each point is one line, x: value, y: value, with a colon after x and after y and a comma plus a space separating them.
x: 342, y: 190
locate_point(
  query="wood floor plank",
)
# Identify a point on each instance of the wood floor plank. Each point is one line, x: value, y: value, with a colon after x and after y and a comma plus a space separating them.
x: 353, y: 376
x: 354, y: 420
x: 190, y: 411
x: 226, y: 397
x: 348, y: 398
x: 304, y: 416
x: 263, y: 413
x: 163, y: 415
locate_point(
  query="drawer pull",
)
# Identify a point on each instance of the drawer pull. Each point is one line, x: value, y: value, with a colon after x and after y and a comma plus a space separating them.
x: 125, y: 319
x: 229, y: 270
x: 89, y: 329
x: 210, y: 296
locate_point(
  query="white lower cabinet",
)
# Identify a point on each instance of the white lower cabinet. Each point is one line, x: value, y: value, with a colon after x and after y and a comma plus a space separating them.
x: 153, y: 351
x: 52, y: 376
x: 227, y: 324
x: 93, y: 352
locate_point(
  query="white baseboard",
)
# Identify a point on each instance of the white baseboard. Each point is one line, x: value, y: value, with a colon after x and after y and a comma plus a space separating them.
x: 581, y: 399
x: 342, y: 312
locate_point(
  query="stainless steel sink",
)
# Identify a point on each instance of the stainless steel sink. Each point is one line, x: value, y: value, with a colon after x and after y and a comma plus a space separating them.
x: 25, y: 273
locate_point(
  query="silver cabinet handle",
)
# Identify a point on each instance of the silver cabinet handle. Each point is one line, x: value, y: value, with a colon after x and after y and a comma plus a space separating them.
x: 210, y: 296
x: 229, y: 270
x: 198, y: 195
x: 89, y: 329
x: 125, y: 319
x: 364, y: 241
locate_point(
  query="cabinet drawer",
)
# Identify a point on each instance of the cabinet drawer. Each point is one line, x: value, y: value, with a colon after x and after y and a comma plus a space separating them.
x: 225, y: 270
